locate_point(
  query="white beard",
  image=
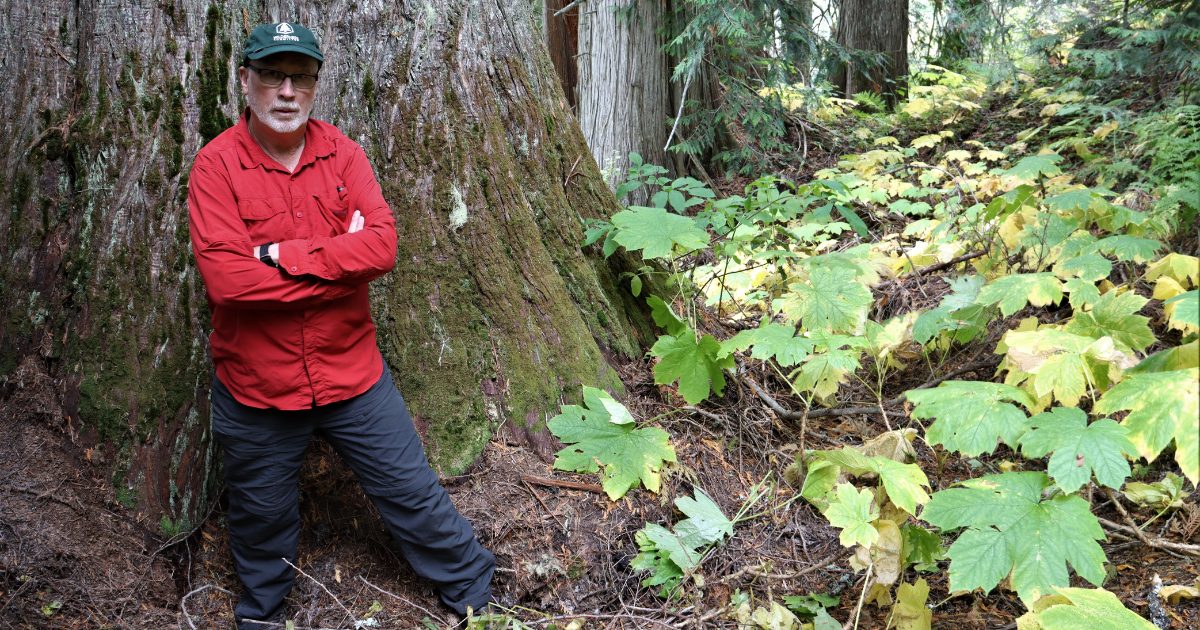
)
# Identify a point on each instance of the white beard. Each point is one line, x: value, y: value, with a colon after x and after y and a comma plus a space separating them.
x: 264, y: 114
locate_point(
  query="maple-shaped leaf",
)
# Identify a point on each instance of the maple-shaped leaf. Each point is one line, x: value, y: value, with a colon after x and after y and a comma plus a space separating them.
x: 1088, y: 267
x: 1060, y: 363
x: 656, y: 232
x: 1013, y: 292
x: 628, y: 454
x: 910, y: 611
x: 1079, y: 199
x: 1012, y: 529
x: 853, y: 512
x: 1162, y: 406
x: 1113, y: 316
x: 903, y: 482
x: 693, y: 363
x: 1081, y: 292
x: 665, y: 316
x: 1184, y: 310
x: 831, y: 300
x: 771, y: 341
x: 1080, y: 449
x: 1128, y: 248
x: 971, y: 415
x: 823, y: 372
x: 673, y: 555
x: 1089, y: 609
x: 958, y: 313
x: 1032, y: 168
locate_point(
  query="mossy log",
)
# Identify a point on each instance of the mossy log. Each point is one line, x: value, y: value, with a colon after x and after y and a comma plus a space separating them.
x: 493, y: 314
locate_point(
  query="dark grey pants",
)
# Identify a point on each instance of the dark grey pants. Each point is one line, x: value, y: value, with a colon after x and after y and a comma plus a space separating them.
x: 373, y: 434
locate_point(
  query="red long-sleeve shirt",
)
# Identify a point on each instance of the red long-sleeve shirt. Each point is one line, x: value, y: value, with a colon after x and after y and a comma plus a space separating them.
x: 301, y: 334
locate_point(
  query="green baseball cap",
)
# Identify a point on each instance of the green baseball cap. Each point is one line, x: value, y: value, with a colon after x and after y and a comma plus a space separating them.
x: 269, y: 39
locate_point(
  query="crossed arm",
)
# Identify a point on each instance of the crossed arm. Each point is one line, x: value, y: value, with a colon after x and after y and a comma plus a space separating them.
x: 312, y: 270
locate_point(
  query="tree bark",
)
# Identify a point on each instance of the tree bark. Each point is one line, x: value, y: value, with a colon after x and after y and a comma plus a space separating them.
x: 879, y: 26
x: 492, y: 314
x: 561, y: 35
x: 624, y: 96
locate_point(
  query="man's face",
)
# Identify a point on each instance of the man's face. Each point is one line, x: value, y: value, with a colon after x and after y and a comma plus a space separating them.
x: 282, y: 108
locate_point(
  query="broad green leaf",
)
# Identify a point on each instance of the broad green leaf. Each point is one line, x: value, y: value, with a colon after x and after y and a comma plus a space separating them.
x: 1092, y: 610
x: 891, y: 341
x: 808, y: 606
x: 1185, y: 310
x: 1011, y: 528
x: 823, y: 621
x: 971, y: 415
x: 693, y: 363
x: 831, y: 300
x: 910, y: 611
x: 1082, y: 293
x: 706, y: 523
x: 821, y: 478
x: 774, y: 618
x: 1032, y: 168
x: 665, y: 316
x: 853, y: 513
x: 1080, y: 449
x: 1079, y: 199
x: 921, y: 547
x: 822, y: 373
x: 1177, y: 358
x: 1013, y: 292
x: 1088, y: 267
x: 1128, y: 248
x: 903, y: 481
x: 599, y: 405
x: 656, y: 231
x: 628, y: 455
x: 1113, y: 316
x: 1162, y: 406
x: 771, y: 341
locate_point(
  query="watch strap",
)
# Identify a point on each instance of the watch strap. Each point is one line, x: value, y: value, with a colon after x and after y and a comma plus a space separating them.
x: 264, y: 254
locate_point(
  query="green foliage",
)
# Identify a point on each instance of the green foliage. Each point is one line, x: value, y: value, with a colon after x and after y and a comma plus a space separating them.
x: 1162, y: 406
x: 656, y: 232
x: 1113, y: 316
x: 852, y: 511
x: 693, y: 362
x: 1079, y: 449
x: 972, y: 415
x: 603, y: 434
x: 1013, y: 292
x: 772, y: 341
x: 904, y: 482
x: 830, y: 301
x: 673, y: 556
x: 1011, y: 528
x: 1090, y: 609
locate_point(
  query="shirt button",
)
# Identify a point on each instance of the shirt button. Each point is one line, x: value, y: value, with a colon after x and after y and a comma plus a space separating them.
x: 299, y: 214
x: 293, y: 268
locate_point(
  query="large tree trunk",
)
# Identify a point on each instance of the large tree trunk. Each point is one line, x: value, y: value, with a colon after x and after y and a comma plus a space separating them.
x: 879, y: 26
x: 492, y: 314
x: 624, y: 95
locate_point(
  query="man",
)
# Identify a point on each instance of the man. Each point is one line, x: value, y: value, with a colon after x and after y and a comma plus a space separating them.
x: 288, y: 226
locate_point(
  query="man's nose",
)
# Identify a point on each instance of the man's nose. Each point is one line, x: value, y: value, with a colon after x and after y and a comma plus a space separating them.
x: 286, y: 89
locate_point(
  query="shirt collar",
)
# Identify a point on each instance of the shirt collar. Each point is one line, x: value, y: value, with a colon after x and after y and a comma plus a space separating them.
x: 316, y: 145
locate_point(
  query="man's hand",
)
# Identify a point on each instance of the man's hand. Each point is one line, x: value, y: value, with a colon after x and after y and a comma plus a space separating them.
x: 357, y: 222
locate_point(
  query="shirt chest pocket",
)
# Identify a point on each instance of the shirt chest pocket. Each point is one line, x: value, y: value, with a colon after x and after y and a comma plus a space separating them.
x: 334, y: 208
x: 266, y: 220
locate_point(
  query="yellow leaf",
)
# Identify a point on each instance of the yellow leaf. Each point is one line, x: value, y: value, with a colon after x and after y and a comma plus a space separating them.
x: 958, y: 155
x: 886, y: 141
x: 1178, y: 267
x: 946, y: 133
x: 1176, y: 592
x: 1050, y: 110
x: 990, y: 155
x: 885, y: 552
x: 1039, y: 93
x: 1016, y: 112
x: 1166, y: 288
x: 926, y: 141
x: 917, y: 107
x: 1103, y: 130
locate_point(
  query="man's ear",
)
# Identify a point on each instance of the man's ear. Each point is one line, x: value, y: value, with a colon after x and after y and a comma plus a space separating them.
x: 244, y: 78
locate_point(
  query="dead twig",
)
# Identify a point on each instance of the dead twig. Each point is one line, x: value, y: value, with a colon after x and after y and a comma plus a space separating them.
x: 1132, y: 528
x: 930, y: 269
x: 183, y: 602
x: 557, y: 483
x: 393, y: 595
x: 318, y: 582
x: 816, y: 566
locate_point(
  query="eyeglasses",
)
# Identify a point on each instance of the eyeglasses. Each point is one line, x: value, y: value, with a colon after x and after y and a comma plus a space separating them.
x: 274, y: 78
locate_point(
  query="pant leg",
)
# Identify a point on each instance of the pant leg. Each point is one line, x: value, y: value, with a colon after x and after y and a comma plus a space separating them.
x: 264, y: 450
x: 376, y: 438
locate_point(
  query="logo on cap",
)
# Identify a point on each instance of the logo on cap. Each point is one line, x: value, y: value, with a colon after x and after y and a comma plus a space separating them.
x: 285, y: 29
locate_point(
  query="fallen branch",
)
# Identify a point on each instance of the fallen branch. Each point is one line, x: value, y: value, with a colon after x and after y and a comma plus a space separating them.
x: 572, y: 485
x: 930, y: 269
x: 1157, y: 543
x: 418, y: 607
x: 816, y: 566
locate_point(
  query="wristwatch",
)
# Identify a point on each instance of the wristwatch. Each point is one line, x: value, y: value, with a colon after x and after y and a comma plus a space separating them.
x: 264, y: 254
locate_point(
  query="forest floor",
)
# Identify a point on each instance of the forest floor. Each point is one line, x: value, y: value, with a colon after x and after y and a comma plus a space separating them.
x: 83, y: 560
